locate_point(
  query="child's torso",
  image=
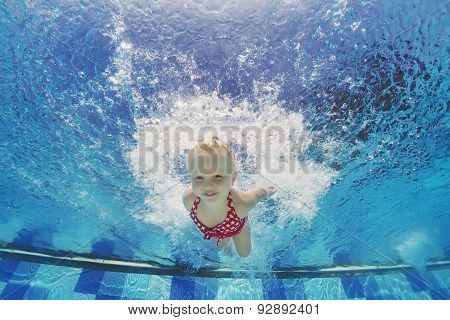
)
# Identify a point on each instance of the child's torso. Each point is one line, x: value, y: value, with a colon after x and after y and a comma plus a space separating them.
x: 222, y: 223
x: 212, y: 218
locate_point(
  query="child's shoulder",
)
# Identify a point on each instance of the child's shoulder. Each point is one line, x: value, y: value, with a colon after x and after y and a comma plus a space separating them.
x: 188, y: 198
x: 236, y: 194
x: 240, y: 202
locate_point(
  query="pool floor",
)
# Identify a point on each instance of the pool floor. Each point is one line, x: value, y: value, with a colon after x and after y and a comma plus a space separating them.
x: 34, y: 281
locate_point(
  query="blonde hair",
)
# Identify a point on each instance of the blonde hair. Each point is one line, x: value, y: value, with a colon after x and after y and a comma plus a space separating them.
x: 212, y: 144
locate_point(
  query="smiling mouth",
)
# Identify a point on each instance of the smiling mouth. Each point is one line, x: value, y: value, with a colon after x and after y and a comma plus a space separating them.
x: 210, y: 194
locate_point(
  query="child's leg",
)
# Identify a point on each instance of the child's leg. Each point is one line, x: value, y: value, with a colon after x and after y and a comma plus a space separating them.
x: 243, y: 241
x: 225, y: 245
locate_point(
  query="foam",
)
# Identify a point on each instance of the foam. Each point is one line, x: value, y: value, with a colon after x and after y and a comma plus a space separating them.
x: 416, y: 248
x: 298, y: 190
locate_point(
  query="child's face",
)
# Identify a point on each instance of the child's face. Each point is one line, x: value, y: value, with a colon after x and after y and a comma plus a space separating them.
x: 211, y: 174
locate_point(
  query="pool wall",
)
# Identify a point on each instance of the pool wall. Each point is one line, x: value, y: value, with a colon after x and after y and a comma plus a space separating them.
x: 36, y: 281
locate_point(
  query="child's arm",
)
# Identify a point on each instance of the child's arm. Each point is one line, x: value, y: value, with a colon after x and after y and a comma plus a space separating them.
x: 250, y: 198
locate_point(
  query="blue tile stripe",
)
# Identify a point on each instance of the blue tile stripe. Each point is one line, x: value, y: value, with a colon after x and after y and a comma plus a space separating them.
x: 273, y: 289
x: 440, y: 294
x: 182, y: 288
x: 19, y: 282
x: 352, y: 286
x: 7, y: 269
x: 14, y: 291
x: 416, y: 281
x: 36, y: 293
x: 113, y: 282
x: 89, y: 281
x: 370, y: 287
x: 425, y: 281
x: 295, y: 289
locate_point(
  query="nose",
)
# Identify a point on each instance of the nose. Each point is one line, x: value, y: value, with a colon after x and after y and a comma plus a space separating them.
x: 209, y: 184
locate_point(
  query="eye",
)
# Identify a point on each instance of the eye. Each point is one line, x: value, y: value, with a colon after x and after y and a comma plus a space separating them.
x: 218, y: 176
x: 198, y: 178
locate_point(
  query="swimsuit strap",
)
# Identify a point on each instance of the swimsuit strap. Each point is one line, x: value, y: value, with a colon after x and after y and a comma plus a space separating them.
x: 230, y: 204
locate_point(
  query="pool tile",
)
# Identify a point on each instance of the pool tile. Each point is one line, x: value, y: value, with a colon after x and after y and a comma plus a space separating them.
x: 439, y: 294
x: 112, y: 284
x: 82, y: 296
x: 417, y: 282
x: 425, y: 281
x: 19, y: 282
x: 7, y: 269
x: 60, y: 281
x: 160, y: 287
x: 273, y: 289
x: 89, y: 281
x: 295, y: 289
x: 14, y: 291
x: 136, y: 286
x: 352, y: 287
x: 25, y: 271
x: 442, y: 279
x: 324, y: 289
x: 182, y: 288
x: 206, y: 288
x: 370, y: 287
x: 36, y: 293
x: 144, y: 286
x: 34, y: 281
x: 398, y: 286
x: 2, y: 286
x: 435, y: 287
x: 239, y: 289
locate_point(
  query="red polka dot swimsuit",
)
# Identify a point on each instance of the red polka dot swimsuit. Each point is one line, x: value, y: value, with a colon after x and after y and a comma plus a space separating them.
x: 228, y: 228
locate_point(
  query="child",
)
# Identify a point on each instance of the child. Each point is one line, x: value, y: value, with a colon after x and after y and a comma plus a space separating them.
x: 218, y: 209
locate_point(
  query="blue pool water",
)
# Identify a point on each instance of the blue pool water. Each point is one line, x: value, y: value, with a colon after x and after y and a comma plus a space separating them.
x: 364, y: 82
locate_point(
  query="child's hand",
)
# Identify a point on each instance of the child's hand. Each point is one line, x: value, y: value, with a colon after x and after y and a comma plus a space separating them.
x: 270, y: 190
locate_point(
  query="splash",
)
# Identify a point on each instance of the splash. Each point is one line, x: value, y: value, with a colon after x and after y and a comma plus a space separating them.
x: 416, y: 249
x: 268, y: 141
x: 267, y: 138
